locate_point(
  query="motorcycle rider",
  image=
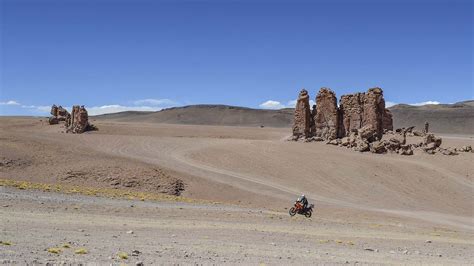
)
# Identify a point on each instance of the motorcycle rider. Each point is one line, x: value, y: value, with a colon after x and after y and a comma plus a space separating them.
x: 303, y: 201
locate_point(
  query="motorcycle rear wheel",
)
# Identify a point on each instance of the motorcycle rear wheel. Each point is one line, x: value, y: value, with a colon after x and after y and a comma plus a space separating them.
x: 308, y: 214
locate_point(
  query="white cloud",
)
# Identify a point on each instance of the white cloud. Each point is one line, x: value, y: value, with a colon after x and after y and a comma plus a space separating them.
x: 155, y: 102
x: 11, y: 102
x: 425, y: 103
x: 271, y: 104
x: 389, y: 104
x: 38, y: 108
x: 138, y: 105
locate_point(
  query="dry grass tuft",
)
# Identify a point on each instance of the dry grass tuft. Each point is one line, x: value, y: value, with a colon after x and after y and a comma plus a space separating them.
x: 81, y: 251
x: 54, y: 250
x: 122, y: 255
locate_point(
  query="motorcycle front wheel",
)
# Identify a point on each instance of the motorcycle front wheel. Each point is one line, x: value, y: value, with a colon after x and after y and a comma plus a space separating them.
x: 292, y: 211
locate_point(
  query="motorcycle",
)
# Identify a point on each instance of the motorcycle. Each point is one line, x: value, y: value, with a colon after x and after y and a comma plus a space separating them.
x: 299, y: 209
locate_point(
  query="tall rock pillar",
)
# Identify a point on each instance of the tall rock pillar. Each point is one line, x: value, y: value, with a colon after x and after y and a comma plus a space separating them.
x: 302, y: 122
x: 327, y: 115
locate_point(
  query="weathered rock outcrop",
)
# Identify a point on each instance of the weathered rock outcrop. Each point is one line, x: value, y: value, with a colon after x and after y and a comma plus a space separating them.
x: 374, y: 109
x: 302, y: 122
x: 364, y: 110
x: 79, y: 120
x: 361, y: 123
x: 76, y: 122
x: 351, y: 113
x: 58, y: 113
x: 387, y: 120
x: 327, y: 115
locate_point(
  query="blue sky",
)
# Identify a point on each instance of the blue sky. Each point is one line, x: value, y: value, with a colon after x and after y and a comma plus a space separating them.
x: 146, y: 55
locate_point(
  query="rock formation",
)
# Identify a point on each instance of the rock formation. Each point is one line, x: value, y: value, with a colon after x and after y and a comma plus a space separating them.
x: 58, y: 114
x: 374, y: 109
x: 302, y: 122
x: 79, y: 120
x: 327, y: 115
x: 76, y: 122
x: 387, y: 120
x: 328, y: 122
x: 351, y: 112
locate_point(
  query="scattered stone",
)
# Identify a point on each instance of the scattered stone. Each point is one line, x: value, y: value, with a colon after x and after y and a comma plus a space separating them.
x: 428, y: 241
x: 465, y: 149
x: 53, y: 120
x: 448, y: 151
x: 139, y: 263
x: 130, y: 232
x: 361, y: 145
x: 405, y: 150
x: 430, y: 138
x: 334, y: 142
x: 135, y: 252
x: 378, y: 147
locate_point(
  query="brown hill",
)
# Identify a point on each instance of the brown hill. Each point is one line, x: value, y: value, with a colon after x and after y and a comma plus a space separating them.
x: 222, y: 115
x: 455, y: 118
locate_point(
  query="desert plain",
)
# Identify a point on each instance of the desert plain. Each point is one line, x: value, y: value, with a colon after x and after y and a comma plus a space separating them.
x: 135, y: 192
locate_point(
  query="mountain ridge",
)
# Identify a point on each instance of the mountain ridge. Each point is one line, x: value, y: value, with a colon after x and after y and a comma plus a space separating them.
x: 457, y: 118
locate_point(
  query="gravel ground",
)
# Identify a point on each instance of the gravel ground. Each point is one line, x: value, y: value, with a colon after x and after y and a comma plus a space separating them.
x: 184, y: 233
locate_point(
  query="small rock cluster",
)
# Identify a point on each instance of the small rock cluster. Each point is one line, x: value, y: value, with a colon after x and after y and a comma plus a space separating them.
x: 75, y: 122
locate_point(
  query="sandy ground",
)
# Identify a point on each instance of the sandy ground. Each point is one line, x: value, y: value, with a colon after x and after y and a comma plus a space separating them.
x: 390, y: 204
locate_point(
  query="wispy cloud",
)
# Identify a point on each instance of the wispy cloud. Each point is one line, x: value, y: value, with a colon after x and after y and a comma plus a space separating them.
x: 424, y: 103
x: 138, y: 105
x: 10, y: 102
x: 390, y: 104
x: 272, y: 104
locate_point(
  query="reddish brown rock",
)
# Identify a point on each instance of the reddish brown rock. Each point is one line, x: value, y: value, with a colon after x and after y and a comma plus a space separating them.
x: 351, y: 113
x: 302, y: 122
x: 79, y: 122
x: 54, y: 110
x: 53, y: 120
x: 327, y: 114
x: 387, y: 120
x: 374, y: 108
x: 364, y: 110
x: 58, y: 114
x: 431, y: 138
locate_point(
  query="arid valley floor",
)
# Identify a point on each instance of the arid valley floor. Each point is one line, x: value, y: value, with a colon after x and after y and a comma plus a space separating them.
x: 214, y: 194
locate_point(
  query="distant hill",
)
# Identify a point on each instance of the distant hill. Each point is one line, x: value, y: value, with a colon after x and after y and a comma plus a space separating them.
x: 455, y: 118
x: 222, y: 115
